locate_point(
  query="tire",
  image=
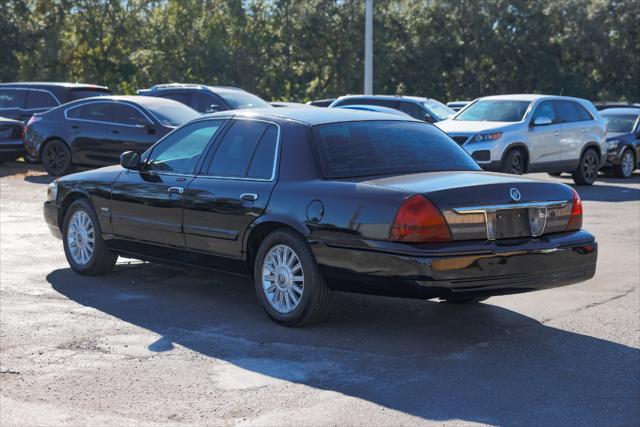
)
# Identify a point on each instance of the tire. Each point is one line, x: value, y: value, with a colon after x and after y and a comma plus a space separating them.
x: 101, y: 259
x: 56, y: 158
x: 627, y: 165
x: 587, y: 171
x: 514, y: 162
x: 463, y: 300
x: 556, y: 174
x: 278, y: 295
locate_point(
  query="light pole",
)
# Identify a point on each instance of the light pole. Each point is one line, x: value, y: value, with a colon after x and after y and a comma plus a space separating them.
x: 368, y: 48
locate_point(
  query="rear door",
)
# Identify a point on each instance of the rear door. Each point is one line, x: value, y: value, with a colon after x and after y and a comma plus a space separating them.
x: 233, y: 189
x: 576, y: 124
x: 12, y: 101
x: 87, y: 126
x: 545, y: 147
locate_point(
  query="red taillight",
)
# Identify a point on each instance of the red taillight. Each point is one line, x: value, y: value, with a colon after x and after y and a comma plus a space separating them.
x: 418, y: 220
x: 33, y: 119
x: 575, y: 220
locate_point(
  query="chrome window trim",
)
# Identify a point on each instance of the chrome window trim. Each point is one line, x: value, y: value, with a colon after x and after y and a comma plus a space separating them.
x: 275, y: 157
x: 27, y: 89
x: 105, y: 122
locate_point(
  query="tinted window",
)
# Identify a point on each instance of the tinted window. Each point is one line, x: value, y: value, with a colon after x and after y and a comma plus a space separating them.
x: 412, y: 109
x: 38, y: 99
x: 370, y: 101
x: 355, y: 149
x: 12, y: 98
x: 566, y: 111
x: 544, y: 109
x: 619, y: 123
x: 76, y: 94
x: 99, y: 112
x: 168, y: 112
x: 180, y: 151
x: 184, y: 98
x: 233, y: 156
x: 206, y: 103
x: 583, y: 114
x: 127, y: 115
x: 438, y: 109
x: 240, y: 99
x: 494, y: 111
x: 262, y: 162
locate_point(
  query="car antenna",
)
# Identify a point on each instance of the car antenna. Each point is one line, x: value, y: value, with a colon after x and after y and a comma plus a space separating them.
x: 561, y: 92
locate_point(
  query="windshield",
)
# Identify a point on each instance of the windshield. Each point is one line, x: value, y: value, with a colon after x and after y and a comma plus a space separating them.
x: 620, y: 123
x: 238, y: 99
x: 171, y: 113
x: 494, y: 111
x: 438, y: 109
x: 370, y: 148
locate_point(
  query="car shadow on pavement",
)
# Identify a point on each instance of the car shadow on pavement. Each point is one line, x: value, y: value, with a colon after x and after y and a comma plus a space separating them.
x: 479, y: 363
x: 608, y: 193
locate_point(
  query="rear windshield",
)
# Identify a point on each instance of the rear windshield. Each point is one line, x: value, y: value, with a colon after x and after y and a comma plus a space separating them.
x: 169, y: 112
x: 619, y: 123
x: 371, y: 148
x: 494, y: 111
x: 76, y: 94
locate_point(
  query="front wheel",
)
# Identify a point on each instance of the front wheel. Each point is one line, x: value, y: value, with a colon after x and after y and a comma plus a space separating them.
x: 587, y: 171
x: 56, y: 158
x: 513, y: 162
x: 627, y: 165
x: 84, y: 248
x: 288, y: 281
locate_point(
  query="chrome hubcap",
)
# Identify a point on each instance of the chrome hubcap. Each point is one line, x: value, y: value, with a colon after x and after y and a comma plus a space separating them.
x: 627, y: 163
x: 282, y: 278
x: 81, y: 238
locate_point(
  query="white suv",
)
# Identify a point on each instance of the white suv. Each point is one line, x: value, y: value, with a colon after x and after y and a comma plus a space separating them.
x: 532, y: 133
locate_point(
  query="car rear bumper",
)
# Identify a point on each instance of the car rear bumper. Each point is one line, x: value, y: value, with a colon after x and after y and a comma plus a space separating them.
x: 470, y: 269
x: 51, y: 211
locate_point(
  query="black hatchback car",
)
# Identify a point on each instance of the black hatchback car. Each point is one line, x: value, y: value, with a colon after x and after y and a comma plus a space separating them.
x: 207, y: 99
x: 11, y: 133
x: 19, y: 101
x: 623, y: 140
x: 94, y: 132
x: 310, y: 200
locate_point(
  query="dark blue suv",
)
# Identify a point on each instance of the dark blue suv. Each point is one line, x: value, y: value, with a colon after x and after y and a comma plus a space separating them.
x: 207, y: 99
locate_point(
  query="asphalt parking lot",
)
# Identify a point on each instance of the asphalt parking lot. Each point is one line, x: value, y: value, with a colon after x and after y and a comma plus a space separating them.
x: 153, y: 345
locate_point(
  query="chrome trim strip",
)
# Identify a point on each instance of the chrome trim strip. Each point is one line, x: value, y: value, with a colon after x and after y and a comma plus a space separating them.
x: 493, y: 208
x: 107, y: 123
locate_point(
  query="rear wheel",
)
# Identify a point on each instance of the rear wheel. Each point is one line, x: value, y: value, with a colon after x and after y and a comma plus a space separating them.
x: 587, y: 171
x: 627, y: 165
x: 514, y: 162
x: 463, y: 300
x: 56, y: 158
x: 84, y: 248
x: 288, y: 281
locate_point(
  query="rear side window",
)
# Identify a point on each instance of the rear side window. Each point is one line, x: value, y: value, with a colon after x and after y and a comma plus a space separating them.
x: 97, y: 112
x: 566, y: 111
x: 40, y: 99
x: 76, y: 94
x: 127, y: 115
x: 354, y: 149
x: 583, y: 114
x: 247, y: 150
x: 412, y: 109
x: 12, y: 98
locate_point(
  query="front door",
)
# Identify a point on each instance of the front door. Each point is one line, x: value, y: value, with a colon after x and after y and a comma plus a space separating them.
x: 87, y: 131
x: 132, y: 131
x: 146, y: 205
x: 545, y: 148
x: 233, y: 190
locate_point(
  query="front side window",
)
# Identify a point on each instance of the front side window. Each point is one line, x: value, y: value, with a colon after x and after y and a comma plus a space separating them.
x: 206, y: 103
x: 373, y: 148
x: 12, y: 98
x: 246, y: 151
x: 167, y: 112
x: 438, y: 109
x: 494, y: 111
x: 180, y: 151
x: 544, y: 109
x: 39, y: 99
x: 97, y: 112
x: 127, y: 115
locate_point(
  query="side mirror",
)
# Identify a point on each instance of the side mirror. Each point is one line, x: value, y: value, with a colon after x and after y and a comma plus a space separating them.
x: 429, y: 118
x: 542, y: 121
x: 213, y: 108
x: 130, y: 160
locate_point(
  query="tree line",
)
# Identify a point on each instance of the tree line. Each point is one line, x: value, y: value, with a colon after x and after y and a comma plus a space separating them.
x: 308, y: 49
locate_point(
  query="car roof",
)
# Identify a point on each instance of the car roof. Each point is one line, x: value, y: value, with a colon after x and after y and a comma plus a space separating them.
x: 620, y: 111
x: 56, y: 84
x: 386, y: 97
x: 528, y: 97
x: 312, y: 115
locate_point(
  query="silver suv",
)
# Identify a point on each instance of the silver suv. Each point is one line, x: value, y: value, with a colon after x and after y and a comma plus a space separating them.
x: 532, y: 133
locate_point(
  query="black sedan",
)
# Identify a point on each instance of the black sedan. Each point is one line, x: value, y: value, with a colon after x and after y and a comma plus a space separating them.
x: 623, y: 140
x: 11, y: 132
x: 313, y: 200
x: 95, y: 131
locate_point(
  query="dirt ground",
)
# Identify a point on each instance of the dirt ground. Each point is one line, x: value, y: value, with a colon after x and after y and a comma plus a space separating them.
x: 152, y: 345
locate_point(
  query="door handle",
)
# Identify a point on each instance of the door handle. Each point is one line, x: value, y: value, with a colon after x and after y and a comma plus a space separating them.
x: 115, y: 131
x: 249, y: 197
x: 178, y: 190
x: 556, y: 133
x: 74, y: 126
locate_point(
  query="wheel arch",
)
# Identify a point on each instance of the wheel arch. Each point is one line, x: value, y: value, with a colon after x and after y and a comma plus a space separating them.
x: 596, y: 147
x: 52, y: 138
x: 68, y: 199
x: 518, y: 145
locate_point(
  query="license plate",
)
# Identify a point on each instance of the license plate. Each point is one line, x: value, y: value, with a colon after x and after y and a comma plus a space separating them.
x: 511, y: 223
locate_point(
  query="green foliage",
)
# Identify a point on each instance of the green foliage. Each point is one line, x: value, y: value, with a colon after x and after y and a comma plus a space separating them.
x: 307, y: 49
